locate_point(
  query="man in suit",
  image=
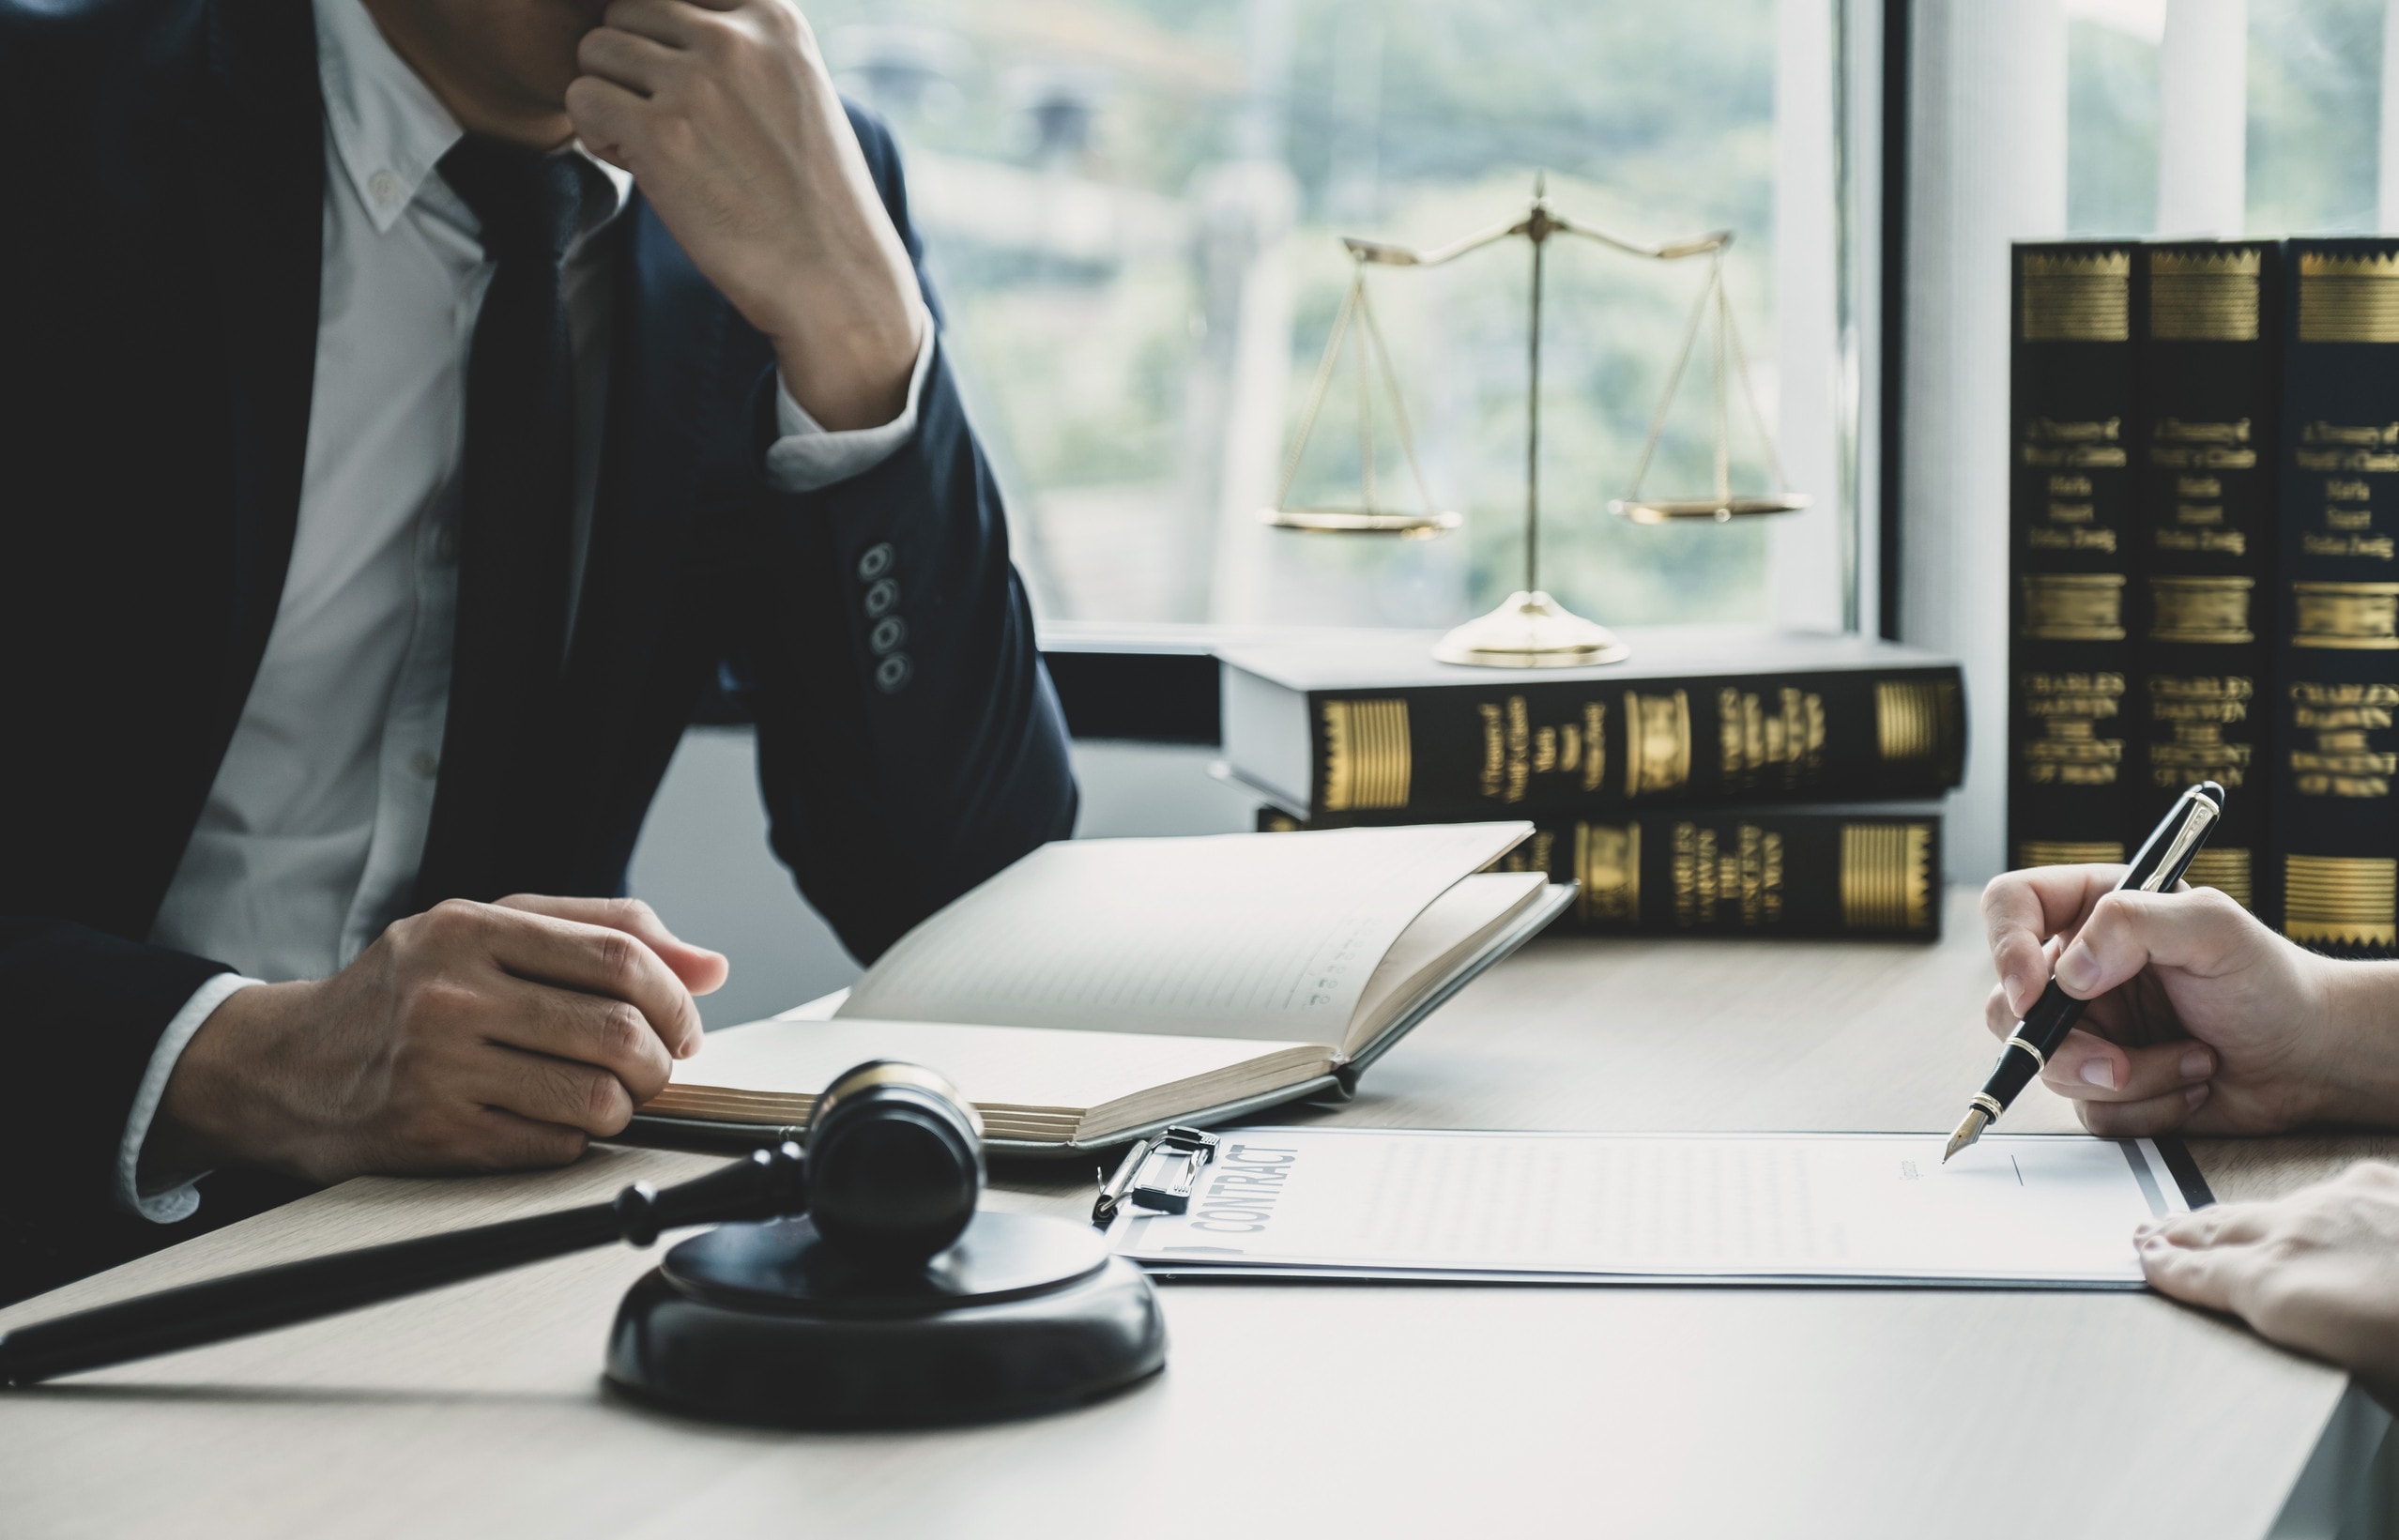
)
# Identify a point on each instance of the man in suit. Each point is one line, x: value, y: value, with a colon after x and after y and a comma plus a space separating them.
x: 415, y: 404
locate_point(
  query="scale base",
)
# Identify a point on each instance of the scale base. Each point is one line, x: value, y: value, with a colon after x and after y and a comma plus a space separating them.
x: 1531, y: 630
x: 764, y: 1324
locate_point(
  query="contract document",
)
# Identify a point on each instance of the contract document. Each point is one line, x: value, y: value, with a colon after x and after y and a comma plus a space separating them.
x: 2015, y: 1211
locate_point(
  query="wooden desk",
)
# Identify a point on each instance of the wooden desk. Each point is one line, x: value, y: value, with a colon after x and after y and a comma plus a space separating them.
x: 1320, y: 1411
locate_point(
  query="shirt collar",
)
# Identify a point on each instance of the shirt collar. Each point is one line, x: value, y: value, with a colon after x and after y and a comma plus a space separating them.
x: 388, y: 128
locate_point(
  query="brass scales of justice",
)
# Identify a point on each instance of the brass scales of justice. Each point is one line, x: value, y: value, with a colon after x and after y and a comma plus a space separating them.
x: 1529, y: 629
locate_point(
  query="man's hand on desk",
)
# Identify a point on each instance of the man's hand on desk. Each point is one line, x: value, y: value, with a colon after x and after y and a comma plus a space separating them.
x: 2200, y: 1016
x: 725, y: 115
x: 2317, y: 1270
x: 470, y: 1037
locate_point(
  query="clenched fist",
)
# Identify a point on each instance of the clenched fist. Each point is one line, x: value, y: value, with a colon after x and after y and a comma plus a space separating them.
x: 470, y: 1037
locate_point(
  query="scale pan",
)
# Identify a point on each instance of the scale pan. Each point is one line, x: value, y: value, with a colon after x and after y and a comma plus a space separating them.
x: 1353, y: 521
x: 1667, y: 509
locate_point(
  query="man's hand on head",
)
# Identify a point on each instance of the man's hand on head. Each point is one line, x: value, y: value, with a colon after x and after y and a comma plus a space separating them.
x: 470, y: 1037
x: 723, y: 112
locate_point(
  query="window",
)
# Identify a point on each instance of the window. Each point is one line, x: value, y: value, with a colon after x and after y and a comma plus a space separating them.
x: 2308, y: 73
x: 1132, y: 207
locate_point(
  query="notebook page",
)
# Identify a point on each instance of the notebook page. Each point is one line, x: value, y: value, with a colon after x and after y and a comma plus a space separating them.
x: 1793, y: 1207
x: 1452, y: 927
x: 1261, y: 935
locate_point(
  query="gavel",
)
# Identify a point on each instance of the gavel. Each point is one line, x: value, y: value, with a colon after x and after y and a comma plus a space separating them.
x: 843, y: 1265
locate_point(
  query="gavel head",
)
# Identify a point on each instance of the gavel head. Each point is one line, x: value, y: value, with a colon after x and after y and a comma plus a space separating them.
x: 894, y: 1163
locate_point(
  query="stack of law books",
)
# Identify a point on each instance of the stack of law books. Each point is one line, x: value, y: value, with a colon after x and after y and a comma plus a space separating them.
x: 1723, y: 781
x: 2203, y: 586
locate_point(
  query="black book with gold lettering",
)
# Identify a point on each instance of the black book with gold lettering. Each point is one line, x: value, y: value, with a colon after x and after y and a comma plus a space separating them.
x: 2335, y: 830
x: 1366, y: 726
x: 2204, y: 526
x: 2075, y: 389
x: 1869, y: 872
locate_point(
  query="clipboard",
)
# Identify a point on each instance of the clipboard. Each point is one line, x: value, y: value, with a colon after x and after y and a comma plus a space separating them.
x: 1842, y: 1210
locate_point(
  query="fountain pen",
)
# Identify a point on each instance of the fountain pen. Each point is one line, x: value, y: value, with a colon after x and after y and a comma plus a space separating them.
x: 2157, y: 867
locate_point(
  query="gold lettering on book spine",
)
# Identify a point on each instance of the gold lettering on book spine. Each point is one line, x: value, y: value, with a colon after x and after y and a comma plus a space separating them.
x: 2068, y: 852
x: 1658, y: 742
x: 1753, y: 739
x: 2204, y: 296
x: 2070, y: 708
x: 1367, y: 754
x: 2073, y: 606
x: 2077, y: 296
x: 2201, y: 610
x: 1595, y: 744
x: 1607, y: 861
x: 2349, y: 299
x: 1710, y: 876
x: 2346, y: 617
x: 1916, y: 718
x: 2189, y: 715
x: 2225, y: 870
x: 2332, y: 751
x: 1887, y: 877
x: 2340, y: 899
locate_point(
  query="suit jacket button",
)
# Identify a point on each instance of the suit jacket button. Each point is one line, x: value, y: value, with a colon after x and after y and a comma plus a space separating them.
x: 876, y: 563
x: 889, y: 632
x: 893, y: 674
x: 881, y: 599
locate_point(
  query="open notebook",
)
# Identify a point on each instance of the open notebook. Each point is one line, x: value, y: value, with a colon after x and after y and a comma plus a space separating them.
x: 1098, y: 990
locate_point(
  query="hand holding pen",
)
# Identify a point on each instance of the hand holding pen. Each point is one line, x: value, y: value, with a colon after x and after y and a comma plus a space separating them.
x: 2198, y: 1015
x: 2156, y: 868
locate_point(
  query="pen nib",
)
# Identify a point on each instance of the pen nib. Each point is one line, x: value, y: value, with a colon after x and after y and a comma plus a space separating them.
x: 1970, y: 1128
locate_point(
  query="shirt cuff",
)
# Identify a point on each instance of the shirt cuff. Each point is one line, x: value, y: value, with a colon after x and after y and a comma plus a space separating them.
x: 808, y: 458
x: 180, y: 1202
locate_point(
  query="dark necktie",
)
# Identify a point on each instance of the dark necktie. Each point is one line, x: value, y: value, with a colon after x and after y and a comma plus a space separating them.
x: 517, y: 522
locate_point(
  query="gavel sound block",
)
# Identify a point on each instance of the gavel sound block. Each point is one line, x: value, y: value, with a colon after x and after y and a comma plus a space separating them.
x: 851, y: 1284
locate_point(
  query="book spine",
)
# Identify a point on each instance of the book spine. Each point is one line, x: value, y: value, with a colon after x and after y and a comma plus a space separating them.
x: 1519, y: 749
x: 2205, y: 536
x: 2334, y: 831
x: 2072, y: 387
x: 1736, y: 872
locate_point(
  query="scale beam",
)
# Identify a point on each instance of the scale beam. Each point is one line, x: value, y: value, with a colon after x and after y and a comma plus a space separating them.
x: 1530, y: 630
x: 1536, y: 226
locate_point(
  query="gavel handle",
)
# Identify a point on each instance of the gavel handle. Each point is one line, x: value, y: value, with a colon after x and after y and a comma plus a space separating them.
x: 765, y: 1184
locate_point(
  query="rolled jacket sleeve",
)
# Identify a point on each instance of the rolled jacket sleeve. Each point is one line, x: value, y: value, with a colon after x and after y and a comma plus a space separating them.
x: 806, y: 457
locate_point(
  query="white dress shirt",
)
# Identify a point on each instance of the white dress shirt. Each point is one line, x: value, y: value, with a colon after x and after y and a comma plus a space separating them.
x: 315, y: 826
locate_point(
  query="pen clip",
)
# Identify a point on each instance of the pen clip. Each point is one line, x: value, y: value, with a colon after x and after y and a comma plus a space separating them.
x: 2202, y: 817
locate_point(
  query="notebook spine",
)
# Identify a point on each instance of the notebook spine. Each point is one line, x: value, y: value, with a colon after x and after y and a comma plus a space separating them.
x: 2073, y: 385
x: 2204, y: 539
x: 1403, y: 756
x: 1734, y: 871
x: 2334, y: 833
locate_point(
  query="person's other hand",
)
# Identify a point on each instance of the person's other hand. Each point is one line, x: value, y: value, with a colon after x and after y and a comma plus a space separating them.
x: 2199, y: 1015
x: 2317, y: 1270
x: 725, y: 115
x: 470, y: 1037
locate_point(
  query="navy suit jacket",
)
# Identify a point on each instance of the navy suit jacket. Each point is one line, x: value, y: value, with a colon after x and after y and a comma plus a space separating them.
x: 159, y: 273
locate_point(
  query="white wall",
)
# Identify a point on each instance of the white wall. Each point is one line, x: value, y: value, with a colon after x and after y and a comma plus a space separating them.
x: 2202, y: 149
x: 1807, y: 548
x: 1987, y: 165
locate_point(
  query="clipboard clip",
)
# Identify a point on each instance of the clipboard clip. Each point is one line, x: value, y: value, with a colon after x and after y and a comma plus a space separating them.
x: 1159, y: 1174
